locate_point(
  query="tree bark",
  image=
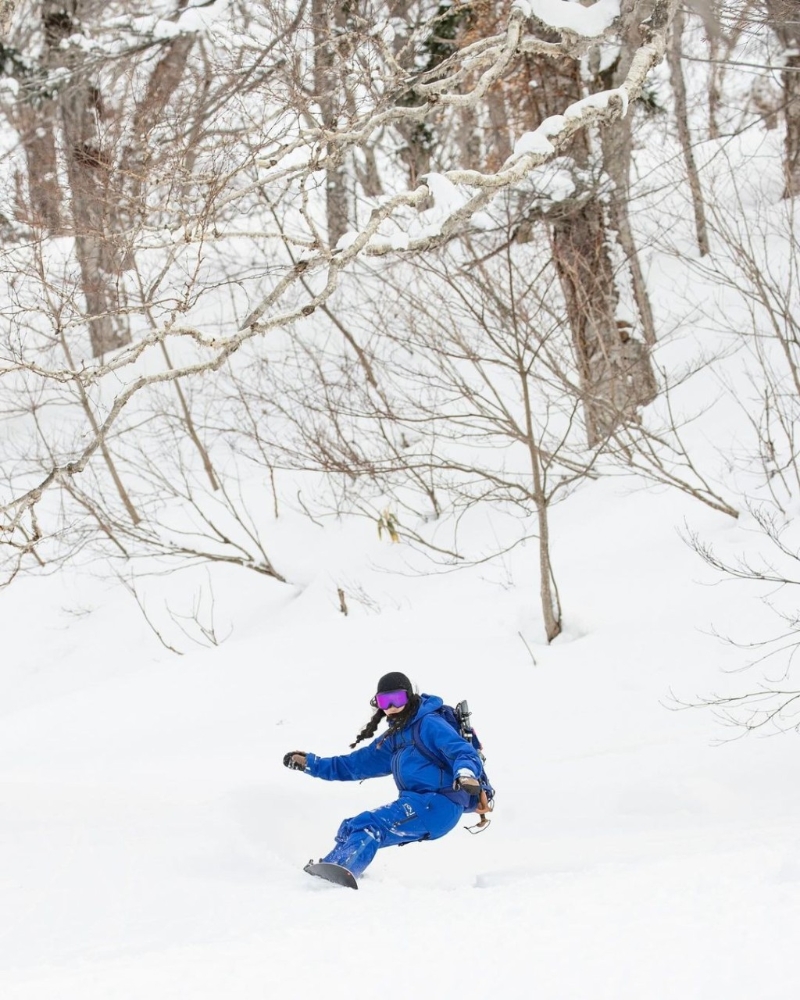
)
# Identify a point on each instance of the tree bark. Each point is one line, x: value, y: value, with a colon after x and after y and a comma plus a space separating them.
x: 7, y: 8
x: 785, y: 17
x: 548, y: 592
x: 163, y: 82
x: 92, y: 194
x: 586, y: 274
x: 617, y: 144
x: 36, y: 126
x: 681, y: 117
x: 124, y: 496
x: 615, y: 376
x: 328, y: 19
x: 445, y: 35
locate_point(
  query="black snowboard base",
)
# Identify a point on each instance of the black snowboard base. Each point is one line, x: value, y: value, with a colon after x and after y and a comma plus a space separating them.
x: 331, y: 873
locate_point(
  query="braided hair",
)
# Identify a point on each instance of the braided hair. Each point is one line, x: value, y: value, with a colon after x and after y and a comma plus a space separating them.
x: 370, y: 729
x: 396, y: 721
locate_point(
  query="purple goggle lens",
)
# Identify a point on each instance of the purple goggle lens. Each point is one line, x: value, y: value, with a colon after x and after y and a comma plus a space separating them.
x: 391, y: 699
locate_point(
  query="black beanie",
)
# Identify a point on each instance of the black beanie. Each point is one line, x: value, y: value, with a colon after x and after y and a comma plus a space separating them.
x: 394, y: 682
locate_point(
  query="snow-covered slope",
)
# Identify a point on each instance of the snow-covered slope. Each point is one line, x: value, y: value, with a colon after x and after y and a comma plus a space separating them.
x: 153, y: 844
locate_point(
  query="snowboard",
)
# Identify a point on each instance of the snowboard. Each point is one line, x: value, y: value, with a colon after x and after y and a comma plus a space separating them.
x: 331, y: 873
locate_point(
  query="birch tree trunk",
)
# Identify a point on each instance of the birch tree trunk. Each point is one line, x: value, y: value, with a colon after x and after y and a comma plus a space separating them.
x: 617, y: 144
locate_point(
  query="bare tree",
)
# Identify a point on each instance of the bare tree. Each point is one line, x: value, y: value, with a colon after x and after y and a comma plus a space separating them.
x: 81, y: 110
x: 475, y: 398
x: 773, y: 702
x: 616, y: 142
x: 684, y: 134
x: 754, y: 270
x: 784, y: 17
x: 757, y: 267
x: 468, y: 414
x: 329, y: 19
x: 203, y: 268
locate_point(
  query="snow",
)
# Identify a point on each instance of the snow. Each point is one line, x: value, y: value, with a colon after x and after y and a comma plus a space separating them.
x: 573, y: 16
x: 447, y: 199
x: 600, y: 100
x: 347, y: 240
x: 399, y: 241
x: 164, y: 30
x: 153, y: 843
x: 196, y: 17
x: 202, y: 16
x: 533, y: 142
x: 538, y: 142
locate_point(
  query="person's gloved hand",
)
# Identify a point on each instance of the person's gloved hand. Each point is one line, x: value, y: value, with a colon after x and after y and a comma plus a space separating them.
x: 295, y: 760
x: 467, y: 783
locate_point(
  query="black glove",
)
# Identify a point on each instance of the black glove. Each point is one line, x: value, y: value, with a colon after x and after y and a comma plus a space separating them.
x: 295, y: 760
x: 468, y: 784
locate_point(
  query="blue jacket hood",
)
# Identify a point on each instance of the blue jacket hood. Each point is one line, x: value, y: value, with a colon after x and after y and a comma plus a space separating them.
x: 428, y: 703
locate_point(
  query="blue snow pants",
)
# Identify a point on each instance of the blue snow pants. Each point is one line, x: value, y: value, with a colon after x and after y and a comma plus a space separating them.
x: 414, y: 816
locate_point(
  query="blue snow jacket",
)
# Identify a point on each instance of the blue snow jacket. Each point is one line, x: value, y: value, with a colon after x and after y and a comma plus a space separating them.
x: 395, y: 753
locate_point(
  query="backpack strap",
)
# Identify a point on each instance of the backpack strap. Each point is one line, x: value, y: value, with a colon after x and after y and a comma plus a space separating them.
x: 457, y: 795
x: 483, y: 804
x: 439, y: 761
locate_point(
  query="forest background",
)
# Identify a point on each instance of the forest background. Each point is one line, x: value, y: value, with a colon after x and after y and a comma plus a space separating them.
x: 426, y: 328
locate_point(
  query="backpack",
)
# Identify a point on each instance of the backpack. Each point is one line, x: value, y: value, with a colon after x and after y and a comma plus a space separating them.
x: 460, y: 719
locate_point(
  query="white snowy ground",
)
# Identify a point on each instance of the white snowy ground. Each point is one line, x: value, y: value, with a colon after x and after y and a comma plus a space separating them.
x: 152, y: 844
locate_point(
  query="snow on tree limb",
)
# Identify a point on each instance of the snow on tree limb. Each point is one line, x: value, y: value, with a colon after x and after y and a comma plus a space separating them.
x: 562, y: 15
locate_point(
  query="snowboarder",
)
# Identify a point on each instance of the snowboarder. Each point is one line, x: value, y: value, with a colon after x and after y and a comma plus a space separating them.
x: 432, y: 799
